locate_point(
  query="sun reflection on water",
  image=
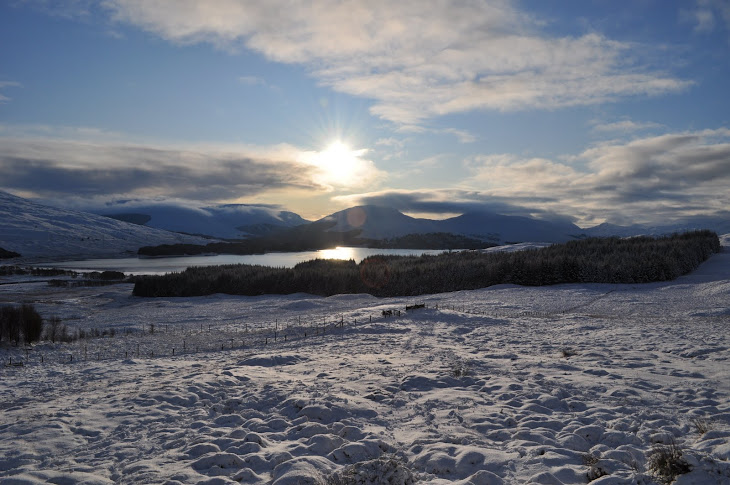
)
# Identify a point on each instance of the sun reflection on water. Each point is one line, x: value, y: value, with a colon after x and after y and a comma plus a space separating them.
x: 338, y: 253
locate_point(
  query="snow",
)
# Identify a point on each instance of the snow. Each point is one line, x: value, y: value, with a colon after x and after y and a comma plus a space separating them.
x: 38, y: 231
x: 222, y: 221
x: 383, y: 222
x: 505, y: 385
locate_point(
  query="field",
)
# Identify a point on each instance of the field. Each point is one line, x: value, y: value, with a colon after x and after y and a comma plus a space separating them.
x: 566, y: 384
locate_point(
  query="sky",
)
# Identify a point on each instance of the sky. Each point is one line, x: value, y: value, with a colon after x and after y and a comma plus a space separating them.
x: 587, y: 110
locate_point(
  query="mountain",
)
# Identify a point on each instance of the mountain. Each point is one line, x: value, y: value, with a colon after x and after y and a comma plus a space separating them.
x: 230, y: 221
x: 377, y: 222
x: 720, y: 225
x: 509, y: 229
x: 607, y: 230
x: 39, y: 231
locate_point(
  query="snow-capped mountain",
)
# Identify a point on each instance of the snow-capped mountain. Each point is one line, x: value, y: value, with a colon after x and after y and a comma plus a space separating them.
x: 36, y: 230
x: 230, y: 221
x: 383, y: 222
x: 503, y: 229
x: 377, y: 222
x: 718, y: 224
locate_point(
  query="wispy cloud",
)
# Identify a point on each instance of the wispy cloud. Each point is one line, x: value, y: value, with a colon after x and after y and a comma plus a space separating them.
x: 89, y: 163
x: 624, y: 126
x: 7, y: 84
x: 462, y: 135
x: 707, y: 15
x: 416, y: 63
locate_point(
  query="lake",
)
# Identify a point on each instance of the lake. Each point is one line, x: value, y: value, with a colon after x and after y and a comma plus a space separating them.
x: 149, y: 266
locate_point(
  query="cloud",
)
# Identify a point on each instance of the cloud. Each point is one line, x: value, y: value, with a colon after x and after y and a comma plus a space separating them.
x: 445, y: 201
x: 91, y: 163
x: 652, y: 180
x: 707, y: 15
x: 341, y: 166
x: 7, y: 84
x: 461, y: 135
x: 415, y: 63
x: 624, y: 126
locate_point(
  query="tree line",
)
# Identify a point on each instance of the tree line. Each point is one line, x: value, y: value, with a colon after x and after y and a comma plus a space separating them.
x: 315, y: 236
x: 5, y: 254
x: 594, y: 260
x: 20, y: 323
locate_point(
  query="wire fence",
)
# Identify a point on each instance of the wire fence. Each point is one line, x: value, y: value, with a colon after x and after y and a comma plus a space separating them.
x: 150, y: 340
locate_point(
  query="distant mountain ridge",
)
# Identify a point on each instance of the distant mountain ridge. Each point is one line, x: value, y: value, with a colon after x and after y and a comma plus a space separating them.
x: 719, y: 225
x: 378, y: 222
x: 242, y: 221
x: 228, y: 221
x: 34, y: 230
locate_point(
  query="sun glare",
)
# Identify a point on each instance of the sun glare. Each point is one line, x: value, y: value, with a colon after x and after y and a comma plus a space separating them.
x: 340, y: 164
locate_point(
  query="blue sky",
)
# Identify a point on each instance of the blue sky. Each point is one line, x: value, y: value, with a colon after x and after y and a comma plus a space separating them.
x: 593, y: 110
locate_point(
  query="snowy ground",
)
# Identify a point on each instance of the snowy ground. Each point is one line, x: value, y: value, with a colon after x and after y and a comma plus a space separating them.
x: 563, y: 384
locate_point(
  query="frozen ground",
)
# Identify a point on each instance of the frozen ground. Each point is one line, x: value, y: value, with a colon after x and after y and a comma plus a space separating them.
x: 566, y: 384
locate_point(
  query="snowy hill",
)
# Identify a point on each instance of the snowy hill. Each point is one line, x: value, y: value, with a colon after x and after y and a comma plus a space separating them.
x: 378, y: 222
x: 231, y: 221
x: 382, y: 222
x: 717, y: 224
x: 564, y: 384
x: 500, y: 228
x: 35, y: 230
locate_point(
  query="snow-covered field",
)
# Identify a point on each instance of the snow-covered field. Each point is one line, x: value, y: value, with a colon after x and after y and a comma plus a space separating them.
x: 564, y: 384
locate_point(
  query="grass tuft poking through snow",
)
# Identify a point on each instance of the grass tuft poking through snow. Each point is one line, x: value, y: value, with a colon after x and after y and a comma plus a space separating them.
x: 386, y: 470
x: 667, y: 462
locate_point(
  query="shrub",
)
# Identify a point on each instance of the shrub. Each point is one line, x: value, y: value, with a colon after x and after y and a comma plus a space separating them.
x: 32, y: 323
x: 17, y: 322
x: 5, y: 254
x: 702, y: 425
x: 460, y: 369
x: 666, y: 462
x: 53, y: 329
x: 386, y: 470
x: 10, y: 324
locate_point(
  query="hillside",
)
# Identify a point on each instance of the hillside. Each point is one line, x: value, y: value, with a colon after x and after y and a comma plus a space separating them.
x: 565, y: 384
x: 230, y: 221
x: 719, y: 224
x: 39, y: 231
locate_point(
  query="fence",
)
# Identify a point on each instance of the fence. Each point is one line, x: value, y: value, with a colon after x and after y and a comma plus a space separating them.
x: 151, y: 340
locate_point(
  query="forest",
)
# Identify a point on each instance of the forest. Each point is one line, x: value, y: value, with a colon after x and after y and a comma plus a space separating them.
x: 595, y: 260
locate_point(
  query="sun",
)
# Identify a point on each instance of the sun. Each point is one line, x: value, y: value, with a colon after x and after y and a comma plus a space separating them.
x: 340, y: 164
